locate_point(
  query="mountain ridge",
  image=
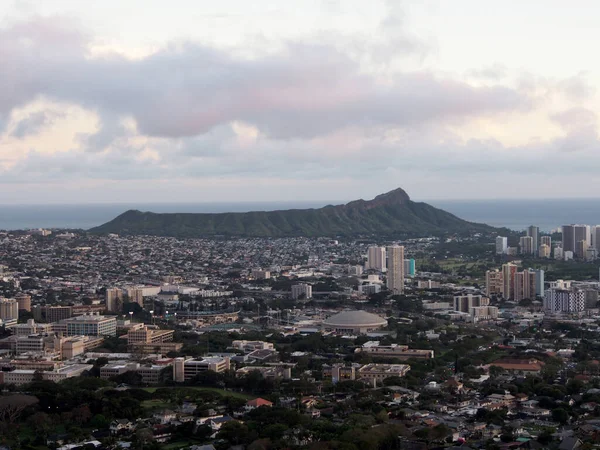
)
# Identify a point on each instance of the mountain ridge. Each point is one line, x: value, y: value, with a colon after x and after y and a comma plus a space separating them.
x: 389, y: 213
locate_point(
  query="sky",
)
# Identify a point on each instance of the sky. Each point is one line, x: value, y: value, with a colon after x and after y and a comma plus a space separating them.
x: 202, y: 101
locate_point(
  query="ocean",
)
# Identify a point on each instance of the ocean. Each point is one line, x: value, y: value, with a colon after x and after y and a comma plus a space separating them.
x: 548, y: 214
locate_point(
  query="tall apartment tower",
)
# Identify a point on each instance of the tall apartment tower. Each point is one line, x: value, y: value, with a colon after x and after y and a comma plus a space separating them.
x: 526, y: 245
x: 376, y: 259
x: 9, y: 309
x: 494, y: 283
x: 508, y: 280
x: 501, y: 245
x: 597, y: 237
x: 395, y: 272
x: 546, y: 240
x: 534, y: 232
x: 114, y: 299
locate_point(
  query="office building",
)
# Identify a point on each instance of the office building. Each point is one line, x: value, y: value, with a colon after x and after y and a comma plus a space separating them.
x: 568, y: 238
x: 558, y: 300
x: 501, y: 245
x: 51, y: 314
x: 301, y: 291
x: 483, y: 313
x: 9, y: 309
x: 581, y: 249
x: 544, y: 251
x: 533, y: 232
x: 91, y: 325
x: 596, y: 238
x: 464, y: 303
x: 187, y: 369
x: 376, y: 259
x: 24, y: 302
x: 114, y: 300
x: 369, y: 289
x: 493, y: 283
x: 526, y: 245
x: 396, y: 351
x: 395, y: 273
x: 149, y: 336
x: 591, y: 254
x: 558, y: 253
x: 572, y: 234
x: 409, y: 268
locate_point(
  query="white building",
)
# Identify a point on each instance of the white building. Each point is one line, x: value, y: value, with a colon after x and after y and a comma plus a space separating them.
x: 501, y: 245
x: 564, y: 300
x: 302, y: 290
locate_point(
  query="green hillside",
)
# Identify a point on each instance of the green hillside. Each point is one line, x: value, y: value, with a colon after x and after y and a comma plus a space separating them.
x: 391, y: 213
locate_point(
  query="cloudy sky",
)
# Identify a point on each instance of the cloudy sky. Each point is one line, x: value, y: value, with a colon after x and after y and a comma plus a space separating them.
x: 197, y: 100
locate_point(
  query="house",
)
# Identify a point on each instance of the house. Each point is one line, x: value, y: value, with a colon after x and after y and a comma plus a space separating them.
x: 214, y: 422
x: 570, y: 443
x: 164, y: 417
x: 121, y: 425
x: 257, y: 403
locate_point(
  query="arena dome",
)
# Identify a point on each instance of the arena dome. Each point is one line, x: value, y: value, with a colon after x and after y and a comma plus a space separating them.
x: 355, y: 322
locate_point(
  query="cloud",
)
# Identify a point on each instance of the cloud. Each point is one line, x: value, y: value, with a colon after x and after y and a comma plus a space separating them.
x: 187, y: 89
x: 34, y: 123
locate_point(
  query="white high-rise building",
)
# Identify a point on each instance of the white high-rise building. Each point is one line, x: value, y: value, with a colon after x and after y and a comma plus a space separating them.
x: 501, y: 245
x: 395, y: 273
x: 301, y: 291
x: 376, y: 259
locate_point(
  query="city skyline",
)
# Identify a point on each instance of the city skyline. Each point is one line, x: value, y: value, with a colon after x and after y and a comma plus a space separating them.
x: 231, y: 101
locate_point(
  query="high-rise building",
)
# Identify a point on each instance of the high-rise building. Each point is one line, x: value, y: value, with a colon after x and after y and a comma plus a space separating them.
x: 546, y: 240
x: 525, y: 285
x: 534, y: 232
x: 9, y: 309
x: 501, y: 245
x: 24, y: 302
x: 526, y: 244
x: 493, y: 283
x: 539, y: 282
x: 591, y: 254
x: 581, y: 248
x: 508, y: 280
x: 114, y: 299
x: 376, y: 259
x: 301, y: 291
x: 464, y: 303
x: 597, y: 237
x: 570, y: 300
x: 582, y: 233
x: 409, y: 267
x: 395, y: 273
x: 544, y: 251
x: 568, y: 238
x: 136, y: 295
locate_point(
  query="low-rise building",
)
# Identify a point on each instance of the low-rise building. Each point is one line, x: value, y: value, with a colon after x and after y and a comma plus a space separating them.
x: 186, y: 369
x: 394, y: 351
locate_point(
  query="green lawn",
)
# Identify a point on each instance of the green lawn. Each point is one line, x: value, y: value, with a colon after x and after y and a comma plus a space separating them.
x: 222, y: 392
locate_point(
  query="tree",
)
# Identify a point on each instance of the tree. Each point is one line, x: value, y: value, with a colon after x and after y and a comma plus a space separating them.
x: 560, y: 415
x: 12, y: 406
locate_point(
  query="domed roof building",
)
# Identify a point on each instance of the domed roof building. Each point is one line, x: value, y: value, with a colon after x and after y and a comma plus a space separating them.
x: 354, y: 322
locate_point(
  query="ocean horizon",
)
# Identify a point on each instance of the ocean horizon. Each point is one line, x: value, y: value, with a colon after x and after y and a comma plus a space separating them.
x: 548, y: 214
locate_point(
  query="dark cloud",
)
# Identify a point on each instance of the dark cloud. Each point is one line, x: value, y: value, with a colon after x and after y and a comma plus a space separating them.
x: 186, y: 90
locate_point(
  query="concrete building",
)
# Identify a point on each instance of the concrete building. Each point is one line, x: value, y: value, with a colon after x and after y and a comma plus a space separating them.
x: 572, y: 234
x: 409, y: 268
x: 114, y: 300
x: 25, y: 376
x: 186, y: 369
x: 533, y: 232
x: 526, y: 245
x: 376, y: 373
x: 581, y: 248
x: 539, y: 282
x: 250, y: 346
x: 91, y: 325
x: 396, y: 351
x: 508, y: 280
x: 31, y: 327
x: 136, y: 295
x: 369, y: 289
x: 546, y: 240
x: 525, y: 285
x: 150, y: 373
x: 501, y: 245
x: 9, y: 309
x: 395, y: 272
x: 558, y: 253
x: 482, y: 313
x: 544, y: 251
x: 376, y: 259
x: 261, y: 274
x: 149, y: 336
x: 464, y: 303
x: 354, y: 322
x: 301, y: 291
x: 564, y: 300
x: 493, y: 283
x: 591, y: 254
x: 51, y: 314
x: 273, y: 371
x: 24, y: 302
